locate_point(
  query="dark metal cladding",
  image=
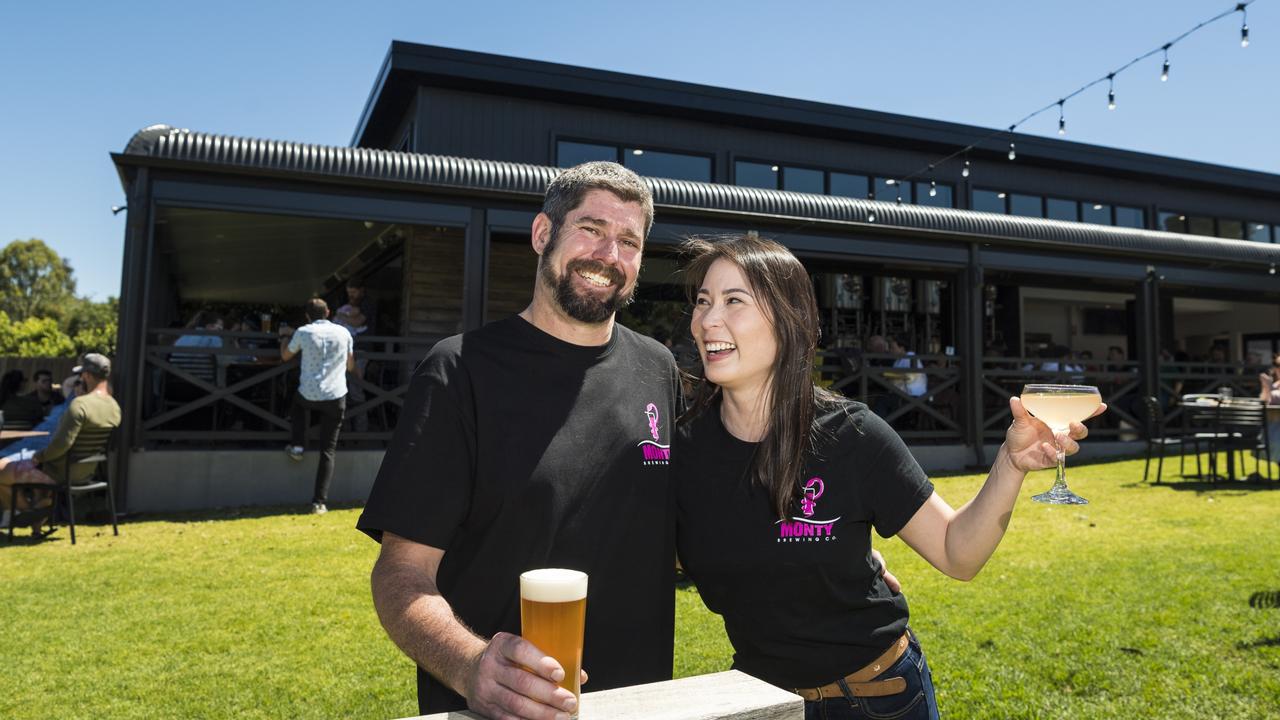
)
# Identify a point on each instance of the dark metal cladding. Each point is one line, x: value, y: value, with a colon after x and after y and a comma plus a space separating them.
x: 161, y: 141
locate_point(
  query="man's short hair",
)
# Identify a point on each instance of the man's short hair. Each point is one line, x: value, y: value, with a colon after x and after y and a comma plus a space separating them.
x: 316, y: 309
x: 566, y: 192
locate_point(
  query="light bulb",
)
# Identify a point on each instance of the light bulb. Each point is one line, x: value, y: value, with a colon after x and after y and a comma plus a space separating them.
x: 1111, y: 99
x: 1062, y: 126
x: 1244, y: 37
x: 1013, y: 153
x: 1164, y: 72
x: 965, y: 171
x: 871, y: 216
x: 933, y: 188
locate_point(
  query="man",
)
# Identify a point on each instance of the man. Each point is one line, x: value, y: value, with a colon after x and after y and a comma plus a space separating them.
x: 328, y: 354
x: 533, y: 442
x: 358, y: 316
x: 93, y: 407
x: 44, y: 392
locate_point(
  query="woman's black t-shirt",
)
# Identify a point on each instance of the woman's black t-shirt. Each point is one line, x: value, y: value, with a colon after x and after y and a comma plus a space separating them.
x: 802, y: 600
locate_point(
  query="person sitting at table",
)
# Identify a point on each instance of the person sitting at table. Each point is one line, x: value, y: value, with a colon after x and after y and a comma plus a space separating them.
x: 44, y: 392
x: 1269, y: 393
x: 95, y: 408
x: 19, y: 410
x: 201, y: 365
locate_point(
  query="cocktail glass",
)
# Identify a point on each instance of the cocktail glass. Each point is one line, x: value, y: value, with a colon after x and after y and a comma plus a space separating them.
x: 1058, y: 406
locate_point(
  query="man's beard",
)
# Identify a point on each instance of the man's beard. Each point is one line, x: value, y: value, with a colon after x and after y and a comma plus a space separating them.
x: 586, y: 308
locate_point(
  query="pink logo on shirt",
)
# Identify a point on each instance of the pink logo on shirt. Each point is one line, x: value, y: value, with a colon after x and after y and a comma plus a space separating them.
x: 806, y: 529
x: 653, y: 451
x: 812, y: 491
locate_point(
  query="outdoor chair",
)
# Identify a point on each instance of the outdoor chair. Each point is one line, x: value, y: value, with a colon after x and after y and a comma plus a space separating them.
x: 37, y: 501
x: 90, y: 448
x: 1242, y: 424
x: 1158, y: 438
x: 1201, y: 425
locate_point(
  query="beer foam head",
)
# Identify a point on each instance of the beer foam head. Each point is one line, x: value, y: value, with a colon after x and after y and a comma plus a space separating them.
x: 553, y: 585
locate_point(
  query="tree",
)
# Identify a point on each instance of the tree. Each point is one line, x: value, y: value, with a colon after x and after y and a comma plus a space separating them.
x: 34, y: 281
x: 92, y: 325
x: 34, y: 337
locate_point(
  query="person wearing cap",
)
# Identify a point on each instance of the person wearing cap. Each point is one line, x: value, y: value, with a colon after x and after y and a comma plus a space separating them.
x: 93, y: 408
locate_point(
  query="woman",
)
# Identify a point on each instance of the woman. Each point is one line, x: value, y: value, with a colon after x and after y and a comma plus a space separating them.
x: 779, y: 484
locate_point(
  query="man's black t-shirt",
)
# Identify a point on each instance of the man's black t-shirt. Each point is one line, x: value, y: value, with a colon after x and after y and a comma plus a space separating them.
x: 517, y: 451
x: 802, y: 600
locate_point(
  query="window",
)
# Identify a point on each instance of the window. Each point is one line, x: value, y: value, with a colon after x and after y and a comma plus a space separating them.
x: 943, y: 195
x: 1233, y: 229
x: 1173, y: 222
x: 1200, y: 225
x: 754, y: 174
x: 677, y: 166
x: 1025, y: 205
x: 1060, y: 209
x: 847, y: 185
x: 988, y: 201
x: 569, y: 153
x: 1257, y: 232
x: 1096, y: 213
x: 803, y: 180
x: 1131, y: 217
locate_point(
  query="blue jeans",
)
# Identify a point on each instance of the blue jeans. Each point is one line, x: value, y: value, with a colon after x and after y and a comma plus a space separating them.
x: 917, y: 702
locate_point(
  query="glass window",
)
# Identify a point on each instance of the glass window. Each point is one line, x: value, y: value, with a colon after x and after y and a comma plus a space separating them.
x: 569, y: 153
x: 1199, y: 225
x: 803, y: 180
x: 1233, y: 229
x: 1131, y: 217
x: 888, y: 189
x: 1257, y: 232
x: 1060, y: 209
x: 988, y: 201
x: 1096, y: 213
x: 754, y: 174
x: 943, y: 195
x: 677, y: 166
x: 847, y: 185
x: 1173, y: 222
x: 1025, y: 205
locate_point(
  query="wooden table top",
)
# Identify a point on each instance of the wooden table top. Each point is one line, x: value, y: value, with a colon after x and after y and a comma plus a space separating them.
x: 18, y: 434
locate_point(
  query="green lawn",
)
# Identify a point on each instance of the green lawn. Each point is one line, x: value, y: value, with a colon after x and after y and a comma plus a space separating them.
x: 1134, y: 606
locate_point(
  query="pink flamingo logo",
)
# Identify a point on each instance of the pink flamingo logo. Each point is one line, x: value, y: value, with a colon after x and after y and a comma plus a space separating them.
x: 812, y: 491
x: 652, y: 412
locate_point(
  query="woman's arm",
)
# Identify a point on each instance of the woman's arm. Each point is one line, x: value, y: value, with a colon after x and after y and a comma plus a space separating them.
x: 959, y: 542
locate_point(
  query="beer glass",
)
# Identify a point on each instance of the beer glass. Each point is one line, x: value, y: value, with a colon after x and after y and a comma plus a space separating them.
x: 553, y: 611
x: 1058, y: 406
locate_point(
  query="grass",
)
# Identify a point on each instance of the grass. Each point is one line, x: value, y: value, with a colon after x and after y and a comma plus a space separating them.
x: 1136, y: 605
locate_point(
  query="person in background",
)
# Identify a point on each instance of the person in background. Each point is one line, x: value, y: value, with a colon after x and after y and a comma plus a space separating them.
x: 94, y: 408
x: 328, y: 354
x: 20, y: 410
x: 44, y: 392
x: 357, y: 316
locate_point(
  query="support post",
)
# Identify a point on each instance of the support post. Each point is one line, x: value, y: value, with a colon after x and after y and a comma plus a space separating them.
x: 971, y: 353
x: 475, y: 269
x: 129, y: 365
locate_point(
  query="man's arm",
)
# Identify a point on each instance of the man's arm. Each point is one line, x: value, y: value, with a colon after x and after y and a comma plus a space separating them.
x: 487, y: 673
x: 66, y: 434
x: 286, y: 346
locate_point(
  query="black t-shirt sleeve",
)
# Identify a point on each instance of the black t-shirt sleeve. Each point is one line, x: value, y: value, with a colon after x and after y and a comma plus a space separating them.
x: 895, y: 486
x: 423, y: 489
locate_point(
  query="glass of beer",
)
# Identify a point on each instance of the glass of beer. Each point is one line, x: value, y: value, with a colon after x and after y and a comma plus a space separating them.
x: 553, y: 612
x: 1058, y: 406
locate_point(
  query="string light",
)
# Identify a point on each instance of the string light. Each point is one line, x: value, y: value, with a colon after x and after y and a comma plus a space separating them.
x: 933, y: 188
x: 965, y: 171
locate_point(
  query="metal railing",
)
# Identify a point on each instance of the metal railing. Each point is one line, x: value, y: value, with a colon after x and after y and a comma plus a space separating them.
x: 240, y: 393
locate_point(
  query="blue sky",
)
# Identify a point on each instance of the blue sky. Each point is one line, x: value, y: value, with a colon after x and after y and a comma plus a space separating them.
x: 77, y: 79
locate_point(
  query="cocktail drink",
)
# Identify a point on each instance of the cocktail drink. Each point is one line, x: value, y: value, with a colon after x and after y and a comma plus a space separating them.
x: 1058, y: 406
x: 553, y: 614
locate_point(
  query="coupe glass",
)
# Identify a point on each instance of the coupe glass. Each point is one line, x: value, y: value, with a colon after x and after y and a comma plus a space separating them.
x: 1058, y: 406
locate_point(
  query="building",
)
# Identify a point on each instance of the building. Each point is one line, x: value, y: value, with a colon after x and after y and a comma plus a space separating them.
x: 1035, y: 269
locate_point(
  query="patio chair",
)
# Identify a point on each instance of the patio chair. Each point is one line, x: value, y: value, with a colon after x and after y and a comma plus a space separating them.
x: 89, y: 449
x: 1201, y: 425
x: 1242, y: 424
x: 32, y: 505
x: 1159, y: 439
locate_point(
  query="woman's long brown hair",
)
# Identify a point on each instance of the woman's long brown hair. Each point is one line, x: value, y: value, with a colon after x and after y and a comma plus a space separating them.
x: 785, y: 291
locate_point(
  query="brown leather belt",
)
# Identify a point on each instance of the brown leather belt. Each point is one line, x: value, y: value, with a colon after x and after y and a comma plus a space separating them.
x: 860, y: 683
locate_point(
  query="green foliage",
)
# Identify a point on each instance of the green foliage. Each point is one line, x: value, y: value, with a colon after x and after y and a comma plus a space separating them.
x: 33, y: 337
x: 34, y: 280
x: 40, y: 316
x: 1134, y: 606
